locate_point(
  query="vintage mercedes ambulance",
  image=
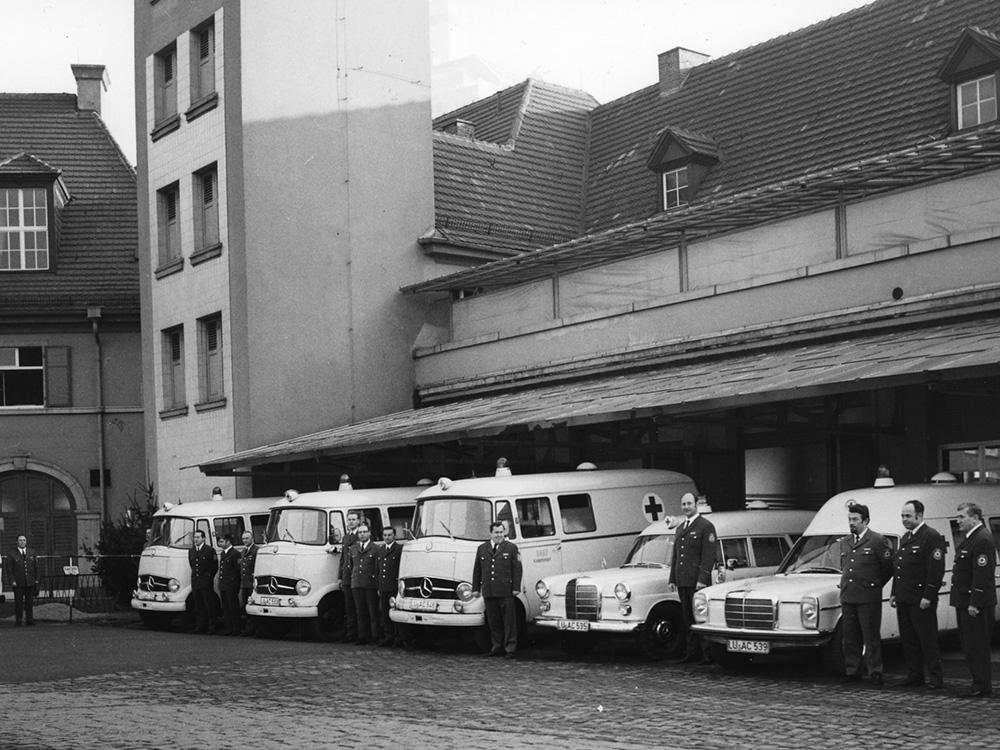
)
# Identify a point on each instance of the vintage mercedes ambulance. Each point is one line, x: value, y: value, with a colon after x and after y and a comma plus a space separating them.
x: 798, y: 608
x: 636, y: 600
x: 561, y: 522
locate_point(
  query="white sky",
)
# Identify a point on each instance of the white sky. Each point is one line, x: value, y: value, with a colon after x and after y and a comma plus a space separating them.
x: 605, y: 47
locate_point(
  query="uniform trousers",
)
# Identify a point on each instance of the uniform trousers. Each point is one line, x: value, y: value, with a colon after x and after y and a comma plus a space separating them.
x: 976, y: 632
x: 389, y: 630
x: 231, y: 609
x: 245, y: 593
x: 918, y: 635
x: 862, y: 626
x: 24, y: 599
x: 350, y: 613
x: 501, y: 617
x: 366, y: 609
x: 204, y: 602
x: 692, y: 641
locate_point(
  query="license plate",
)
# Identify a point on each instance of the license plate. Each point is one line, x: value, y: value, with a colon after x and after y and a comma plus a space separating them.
x: 423, y: 604
x: 144, y: 595
x: 582, y: 625
x: 269, y: 601
x: 748, y: 647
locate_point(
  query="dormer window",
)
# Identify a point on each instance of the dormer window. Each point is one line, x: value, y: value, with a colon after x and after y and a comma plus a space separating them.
x: 31, y: 195
x: 972, y: 68
x: 977, y: 101
x: 675, y: 188
x: 682, y: 159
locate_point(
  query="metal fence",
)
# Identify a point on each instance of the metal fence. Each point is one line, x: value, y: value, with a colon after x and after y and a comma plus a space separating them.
x: 61, y: 582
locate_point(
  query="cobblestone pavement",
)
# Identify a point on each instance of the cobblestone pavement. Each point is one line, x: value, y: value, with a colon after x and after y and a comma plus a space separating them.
x: 105, y: 686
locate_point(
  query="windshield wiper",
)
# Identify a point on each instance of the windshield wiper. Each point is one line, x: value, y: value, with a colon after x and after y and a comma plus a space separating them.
x: 448, y: 530
x: 643, y: 565
x: 285, y: 533
x: 818, y: 570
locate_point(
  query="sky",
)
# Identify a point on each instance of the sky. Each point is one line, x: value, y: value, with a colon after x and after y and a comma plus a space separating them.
x: 605, y: 47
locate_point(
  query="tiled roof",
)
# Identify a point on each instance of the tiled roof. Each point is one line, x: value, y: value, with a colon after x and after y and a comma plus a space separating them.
x: 23, y: 163
x: 522, y: 173
x: 95, y: 264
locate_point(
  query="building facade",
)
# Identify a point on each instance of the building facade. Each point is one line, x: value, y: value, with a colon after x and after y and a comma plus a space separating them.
x: 71, y: 424
x: 285, y: 175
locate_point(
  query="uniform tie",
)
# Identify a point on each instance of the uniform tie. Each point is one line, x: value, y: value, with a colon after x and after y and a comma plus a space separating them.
x: 856, y: 539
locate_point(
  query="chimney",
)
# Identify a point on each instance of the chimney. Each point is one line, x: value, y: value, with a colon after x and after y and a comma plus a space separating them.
x: 674, y: 67
x: 458, y: 126
x: 89, y: 79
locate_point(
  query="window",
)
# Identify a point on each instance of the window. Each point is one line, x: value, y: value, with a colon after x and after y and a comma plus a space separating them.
x: 973, y: 463
x: 210, y: 358
x: 173, y: 368
x: 506, y: 517
x: 401, y: 518
x: 995, y: 530
x: 258, y: 525
x: 168, y: 200
x: 35, y: 376
x: 536, y: 517
x: 769, y: 551
x: 977, y: 101
x: 675, y: 188
x: 372, y: 518
x: 734, y: 553
x: 165, y: 84
x: 577, y: 513
x: 229, y: 525
x: 202, y: 44
x: 24, y: 229
x: 206, y: 214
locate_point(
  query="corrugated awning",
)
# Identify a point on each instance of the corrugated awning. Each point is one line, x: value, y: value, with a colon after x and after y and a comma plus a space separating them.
x: 958, y: 349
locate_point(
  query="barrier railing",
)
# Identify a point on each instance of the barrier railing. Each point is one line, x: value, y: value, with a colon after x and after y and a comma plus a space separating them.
x: 61, y: 582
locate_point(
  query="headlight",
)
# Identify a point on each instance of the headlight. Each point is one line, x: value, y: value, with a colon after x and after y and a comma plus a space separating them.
x: 700, y: 606
x: 463, y: 591
x: 173, y: 585
x: 809, y: 609
x: 138, y: 582
x: 622, y: 592
x: 542, y: 589
x: 401, y: 587
x: 302, y: 587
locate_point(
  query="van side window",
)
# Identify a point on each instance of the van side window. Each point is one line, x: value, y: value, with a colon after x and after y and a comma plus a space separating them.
x: 995, y: 529
x: 735, y: 549
x: 504, y: 514
x: 204, y: 527
x: 768, y: 551
x: 535, y: 515
x: 232, y: 525
x: 336, y: 535
x: 577, y: 513
x: 258, y: 525
x: 401, y: 519
x: 372, y: 517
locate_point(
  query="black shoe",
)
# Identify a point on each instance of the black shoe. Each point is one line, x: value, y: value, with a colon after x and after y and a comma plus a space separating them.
x: 510, y: 655
x: 361, y: 642
x: 689, y: 659
x: 973, y: 693
x: 936, y: 683
x: 877, y: 679
x: 851, y: 678
x: 910, y: 682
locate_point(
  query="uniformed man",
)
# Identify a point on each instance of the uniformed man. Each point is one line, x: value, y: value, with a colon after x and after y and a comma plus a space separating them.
x: 919, y: 574
x: 247, y: 560
x: 974, y: 596
x: 363, y: 568
x: 691, y: 565
x: 350, y: 615
x: 388, y: 556
x: 866, y: 566
x: 204, y: 565
x: 21, y: 573
x: 496, y: 575
x: 229, y: 585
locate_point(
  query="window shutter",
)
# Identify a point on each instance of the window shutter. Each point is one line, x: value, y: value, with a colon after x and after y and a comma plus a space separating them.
x: 208, y: 188
x: 168, y: 68
x: 58, y: 391
x: 205, y: 44
x: 171, y: 199
x: 63, y: 535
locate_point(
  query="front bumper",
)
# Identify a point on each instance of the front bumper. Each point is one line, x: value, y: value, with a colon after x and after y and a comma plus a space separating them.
x: 786, y: 641
x: 446, y: 619
x: 271, y: 610
x: 152, y: 605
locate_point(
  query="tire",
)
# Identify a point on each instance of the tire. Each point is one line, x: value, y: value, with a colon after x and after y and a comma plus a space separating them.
x: 832, y: 655
x: 727, y: 659
x: 329, y: 625
x: 576, y: 644
x: 662, y: 635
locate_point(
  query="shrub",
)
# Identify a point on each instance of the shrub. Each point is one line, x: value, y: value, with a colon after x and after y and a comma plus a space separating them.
x: 116, y: 558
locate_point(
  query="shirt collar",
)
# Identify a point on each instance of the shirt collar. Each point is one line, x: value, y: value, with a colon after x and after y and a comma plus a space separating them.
x: 972, y: 531
x: 919, y: 526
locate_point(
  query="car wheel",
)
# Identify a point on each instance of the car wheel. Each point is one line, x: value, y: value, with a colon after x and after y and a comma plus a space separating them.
x: 662, y: 635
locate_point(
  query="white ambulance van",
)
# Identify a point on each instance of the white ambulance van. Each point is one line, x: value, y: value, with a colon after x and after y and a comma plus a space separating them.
x: 163, y: 587
x: 297, y: 573
x: 798, y: 608
x: 636, y: 600
x: 561, y: 522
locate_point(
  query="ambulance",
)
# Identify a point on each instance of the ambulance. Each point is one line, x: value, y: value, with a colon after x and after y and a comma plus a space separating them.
x: 297, y: 573
x: 163, y: 589
x: 798, y: 608
x: 636, y: 600
x: 560, y: 522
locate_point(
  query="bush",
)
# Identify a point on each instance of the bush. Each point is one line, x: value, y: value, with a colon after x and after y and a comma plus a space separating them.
x: 116, y: 559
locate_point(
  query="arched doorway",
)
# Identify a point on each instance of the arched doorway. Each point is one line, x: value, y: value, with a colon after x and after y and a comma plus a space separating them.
x: 40, y: 507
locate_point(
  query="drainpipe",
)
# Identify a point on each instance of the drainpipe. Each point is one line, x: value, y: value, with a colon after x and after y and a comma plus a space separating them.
x: 94, y: 315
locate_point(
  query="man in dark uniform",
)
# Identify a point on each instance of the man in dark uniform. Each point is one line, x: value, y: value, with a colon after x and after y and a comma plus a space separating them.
x: 866, y: 566
x: 21, y: 572
x: 388, y: 575
x: 693, y: 559
x: 350, y: 615
x: 974, y: 596
x: 363, y: 567
x: 229, y: 585
x: 919, y: 573
x: 204, y: 565
x: 496, y: 574
x: 247, y: 560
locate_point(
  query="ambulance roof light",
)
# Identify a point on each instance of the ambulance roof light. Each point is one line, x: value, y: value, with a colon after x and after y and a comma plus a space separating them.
x: 291, y: 495
x: 502, y: 469
x: 345, y: 483
x: 883, y: 477
x: 757, y: 505
x: 587, y: 466
x: 444, y: 484
x: 944, y: 477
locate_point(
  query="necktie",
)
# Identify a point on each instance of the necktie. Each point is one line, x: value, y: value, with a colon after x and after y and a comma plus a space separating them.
x: 856, y: 539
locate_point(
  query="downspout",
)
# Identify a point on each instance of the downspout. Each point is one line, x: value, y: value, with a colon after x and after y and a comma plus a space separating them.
x: 94, y: 315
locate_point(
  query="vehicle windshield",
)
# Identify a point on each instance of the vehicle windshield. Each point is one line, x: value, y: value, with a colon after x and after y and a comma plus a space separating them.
x: 300, y: 525
x: 171, y: 531
x: 455, y: 517
x: 652, y: 551
x: 814, y: 554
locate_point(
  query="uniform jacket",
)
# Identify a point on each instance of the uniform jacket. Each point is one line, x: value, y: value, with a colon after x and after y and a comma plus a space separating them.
x: 247, y: 560
x: 345, y: 559
x: 972, y: 575
x: 695, y: 554
x: 363, y: 566
x: 865, y: 568
x: 388, y: 566
x: 919, y: 566
x: 21, y: 570
x: 229, y: 570
x: 204, y: 565
x: 497, y: 574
